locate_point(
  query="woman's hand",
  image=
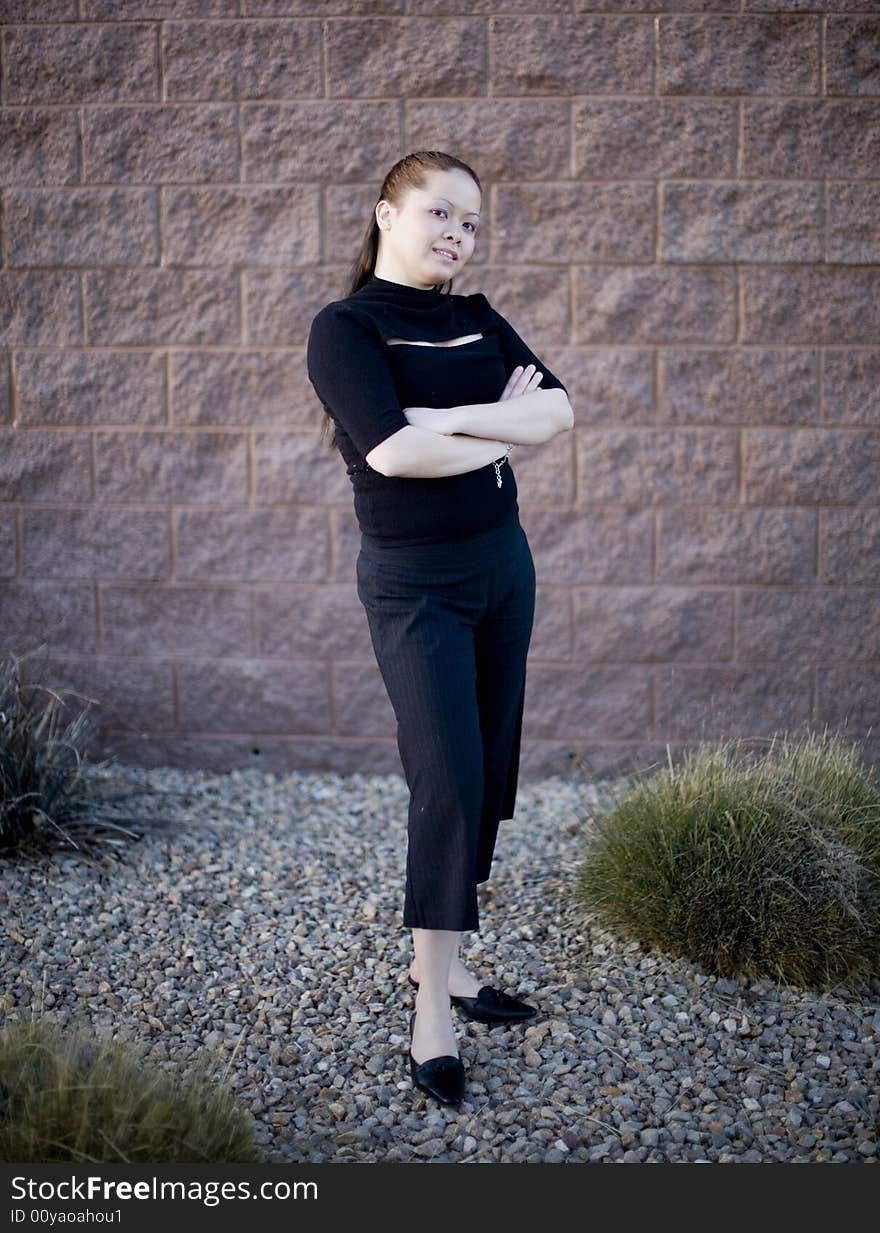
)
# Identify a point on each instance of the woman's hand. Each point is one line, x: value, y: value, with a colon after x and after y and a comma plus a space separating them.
x: 522, y: 381
x: 438, y: 419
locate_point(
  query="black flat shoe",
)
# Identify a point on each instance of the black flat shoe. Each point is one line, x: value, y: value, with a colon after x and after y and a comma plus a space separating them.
x: 491, y: 1006
x: 441, y: 1077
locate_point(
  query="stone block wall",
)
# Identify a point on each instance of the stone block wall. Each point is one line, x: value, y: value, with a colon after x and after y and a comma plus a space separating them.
x: 682, y: 214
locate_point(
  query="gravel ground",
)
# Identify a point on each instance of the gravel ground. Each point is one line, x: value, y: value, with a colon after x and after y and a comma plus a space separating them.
x: 258, y: 918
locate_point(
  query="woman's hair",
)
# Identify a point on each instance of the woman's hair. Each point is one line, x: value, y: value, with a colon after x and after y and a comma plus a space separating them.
x: 409, y: 172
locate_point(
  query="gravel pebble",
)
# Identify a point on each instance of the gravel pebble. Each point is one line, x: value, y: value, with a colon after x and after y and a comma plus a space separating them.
x: 258, y: 920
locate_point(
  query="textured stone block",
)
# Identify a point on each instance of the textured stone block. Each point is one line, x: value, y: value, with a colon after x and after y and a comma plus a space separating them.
x: 277, y: 755
x: 851, y: 386
x: 810, y: 466
x: 345, y: 538
x: 5, y: 387
x: 727, y: 546
x: 254, y: 696
x: 411, y: 56
x: 587, y: 700
x: 8, y: 538
x: 282, y: 303
x: 82, y: 226
x: 61, y: 616
x: 742, y: 222
x: 250, y: 546
x: 90, y: 387
x: 776, y: 54
x: 718, y: 702
x: 242, y: 59
x: 300, y: 140
x: 586, y: 759
x: 534, y: 301
x: 598, y: 546
x: 39, y: 308
x: 651, y: 624
x: 742, y: 385
x: 160, y: 306
x: 126, y: 694
x: 813, y: 6
x: 816, y: 304
x: 654, y: 137
x: 171, y: 466
x: 175, y: 620
x: 674, y: 6
x: 96, y: 543
x: 296, y: 467
x: 241, y: 226
x: 160, y: 144
x: 81, y: 62
x: 660, y: 304
x: 607, y: 384
x: 44, y: 466
x: 849, y: 546
x: 545, y: 474
x: 854, y: 222
x: 552, y: 636
x: 848, y: 699
x: 39, y: 10
x: 505, y: 139
x: 38, y: 145
x: 128, y: 10
x: 587, y: 222
x: 488, y: 8
x: 242, y: 388
x: 637, y: 466
x: 570, y: 54
x: 852, y: 53
x: 310, y: 622
x: 785, y: 623
x: 360, y: 702
x: 800, y: 137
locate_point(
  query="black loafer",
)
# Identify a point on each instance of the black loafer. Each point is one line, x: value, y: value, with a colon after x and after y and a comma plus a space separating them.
x: 441, y: 1077
x: 491, y: 1006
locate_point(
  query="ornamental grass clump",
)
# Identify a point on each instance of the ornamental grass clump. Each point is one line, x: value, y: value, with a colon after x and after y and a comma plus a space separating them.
x: 762, y: 865
x: 46, y: 796
x: 65, y: 1097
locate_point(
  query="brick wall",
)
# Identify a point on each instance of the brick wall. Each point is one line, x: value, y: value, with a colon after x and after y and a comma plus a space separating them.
x: 682, y: 216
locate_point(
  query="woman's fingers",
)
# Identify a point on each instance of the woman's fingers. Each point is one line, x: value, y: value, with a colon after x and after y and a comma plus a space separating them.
x: 522, y: 381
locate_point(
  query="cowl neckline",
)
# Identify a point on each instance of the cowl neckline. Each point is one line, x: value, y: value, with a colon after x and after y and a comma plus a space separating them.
x: 399, y: 293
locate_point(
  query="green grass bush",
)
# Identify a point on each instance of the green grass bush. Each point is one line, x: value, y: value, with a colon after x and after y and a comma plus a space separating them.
x: 66, y: 1097
x: 762, y: 865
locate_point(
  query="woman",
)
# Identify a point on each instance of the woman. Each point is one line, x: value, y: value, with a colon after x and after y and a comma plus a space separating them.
x: 428, y: 393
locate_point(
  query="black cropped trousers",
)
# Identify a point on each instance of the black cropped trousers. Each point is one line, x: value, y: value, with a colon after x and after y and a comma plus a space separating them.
x: 450, y: 625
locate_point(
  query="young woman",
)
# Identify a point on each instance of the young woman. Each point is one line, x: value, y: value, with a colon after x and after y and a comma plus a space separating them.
x: 428, y: 392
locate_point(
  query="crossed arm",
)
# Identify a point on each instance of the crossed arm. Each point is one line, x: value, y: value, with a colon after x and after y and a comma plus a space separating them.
x: 441, y: 441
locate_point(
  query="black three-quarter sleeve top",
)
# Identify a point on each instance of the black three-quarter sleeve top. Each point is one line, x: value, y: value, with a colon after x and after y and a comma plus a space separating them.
x: 364, y: 382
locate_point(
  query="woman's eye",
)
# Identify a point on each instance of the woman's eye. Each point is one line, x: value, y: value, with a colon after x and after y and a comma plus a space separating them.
x: 440, y: 210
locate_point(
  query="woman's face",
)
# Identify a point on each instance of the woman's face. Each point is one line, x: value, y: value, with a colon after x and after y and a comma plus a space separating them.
x: 444, y: 214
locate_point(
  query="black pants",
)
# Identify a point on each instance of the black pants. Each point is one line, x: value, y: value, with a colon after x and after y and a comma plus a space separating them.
x: 450, y: 625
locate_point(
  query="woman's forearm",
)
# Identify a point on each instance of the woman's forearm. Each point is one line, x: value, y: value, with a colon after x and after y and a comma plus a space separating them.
x: 529, y: 419
x: 421, y: 453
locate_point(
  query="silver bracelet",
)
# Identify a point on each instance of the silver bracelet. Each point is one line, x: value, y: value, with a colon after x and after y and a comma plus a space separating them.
x: 497, y: 463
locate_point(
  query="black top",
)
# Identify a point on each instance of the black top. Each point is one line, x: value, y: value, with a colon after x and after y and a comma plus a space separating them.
x: 364, y: 382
